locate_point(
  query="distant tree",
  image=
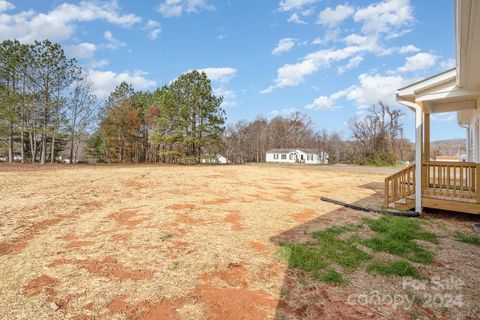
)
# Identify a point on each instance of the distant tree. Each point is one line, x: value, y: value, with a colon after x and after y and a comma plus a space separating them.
x: 191, y: 117
x: 50, y: 73
x: 377, y: 135
x: 80, y: 112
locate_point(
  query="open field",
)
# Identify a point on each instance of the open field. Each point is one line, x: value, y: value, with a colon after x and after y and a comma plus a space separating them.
x: 202, y: 242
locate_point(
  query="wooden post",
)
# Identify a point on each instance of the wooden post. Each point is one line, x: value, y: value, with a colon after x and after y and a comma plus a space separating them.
x: 426, y: 132
x: 418, y: 156
x: 477, y: 182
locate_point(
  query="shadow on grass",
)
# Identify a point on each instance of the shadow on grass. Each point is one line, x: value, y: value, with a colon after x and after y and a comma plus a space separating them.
x: 314, y: 287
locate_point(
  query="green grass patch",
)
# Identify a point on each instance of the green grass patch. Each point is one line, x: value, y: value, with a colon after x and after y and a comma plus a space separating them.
x: 397, y: 235
x: 334, y: 251
x: 330, y: 276
x: 317, y: 256
x: 398, y: 268
x: 467, y: 238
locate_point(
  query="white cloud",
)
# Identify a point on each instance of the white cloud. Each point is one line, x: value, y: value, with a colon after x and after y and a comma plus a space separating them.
x: 223, y: 74
x: 229, y: 96
x: 420, y: 61
x: 289, y: 5
x: 175, y: 8
x: 283, y: 112
x: 60, y: 23
x: 408, y: 49
x: 448, y: 64
x: 294, y: 74
x: 320, y: 103
x: 371, y: 89
x: 105, y: 81
x: 153, y: 28
x: 84, y: 50
x: 333, y: 17
x: 443, y: 117
x: 352, y: 63
x: 284, y: 45
x: 5, y: 5
x: 385, y: 16
x: 112, y: 42
x: 331, y: 34
x: 295, y: 18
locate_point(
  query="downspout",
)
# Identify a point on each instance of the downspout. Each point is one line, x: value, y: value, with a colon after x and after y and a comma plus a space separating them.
x: 418, y: 151
x: 467, y: 128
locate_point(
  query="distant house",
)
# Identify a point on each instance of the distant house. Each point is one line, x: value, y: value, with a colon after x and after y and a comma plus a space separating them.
x: 214, y: 159
x: 310, y: 156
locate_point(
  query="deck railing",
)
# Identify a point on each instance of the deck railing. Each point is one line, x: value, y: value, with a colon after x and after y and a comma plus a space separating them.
x: 459, y: 181
x: 451, y: 180
x: 400, y: 185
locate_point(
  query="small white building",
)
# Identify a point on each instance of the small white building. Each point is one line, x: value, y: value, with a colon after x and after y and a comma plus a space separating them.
x: 214, y: 159
x: 310, y: 156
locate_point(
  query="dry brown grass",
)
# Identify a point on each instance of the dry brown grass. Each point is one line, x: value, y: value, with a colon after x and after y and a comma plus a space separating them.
x: 178, y: 242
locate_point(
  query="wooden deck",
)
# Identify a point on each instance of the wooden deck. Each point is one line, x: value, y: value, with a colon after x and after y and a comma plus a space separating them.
x: 449, y: 186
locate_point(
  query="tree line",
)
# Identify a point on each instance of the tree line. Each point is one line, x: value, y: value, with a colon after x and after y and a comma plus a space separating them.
x: 44, y: 102
x: 48, y: 110
x: 179, y: 123
x: 377, y: 138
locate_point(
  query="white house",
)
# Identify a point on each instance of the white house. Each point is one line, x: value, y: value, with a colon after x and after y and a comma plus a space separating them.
x: 310, y: 156
x: 453, y: 186
x: 215, y: 159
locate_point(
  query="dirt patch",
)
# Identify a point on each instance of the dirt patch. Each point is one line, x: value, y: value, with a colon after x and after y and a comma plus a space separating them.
x: 304, y: 215
x: 134, y: 184
x: 119, y: 237
x: 108, y: 267
x: 20, y: 243
x: 218, y: 201
x: 125, y: 217
x: 258, y: 246
x: 234, y: 219
x: 233, y: 304
x: 144, y: 310
x: 40, y: 284
x: 182, y: 206
x: 74, y: 242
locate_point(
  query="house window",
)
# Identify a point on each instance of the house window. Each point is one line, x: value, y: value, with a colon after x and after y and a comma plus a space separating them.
x: 284, y: 157
x: 292, y: 156
x: 275, y: 156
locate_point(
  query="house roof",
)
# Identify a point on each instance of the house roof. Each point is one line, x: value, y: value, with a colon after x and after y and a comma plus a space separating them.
x: 309, y: 151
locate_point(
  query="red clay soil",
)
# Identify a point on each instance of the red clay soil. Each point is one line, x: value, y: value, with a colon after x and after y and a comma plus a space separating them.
x: 122, y: 237
x: 39, y: 284
x: 258, y: 246
x: 144, y: 310
x: 20, y: 243
x: 304, y: 216
x: 218, y: 201
x: 109, y: 267
x: 134, y: 184
x: 234, y: 219
x: 237, y: 303
x: 181, y: 206
x: 73, y: 242
x: 125, y: 217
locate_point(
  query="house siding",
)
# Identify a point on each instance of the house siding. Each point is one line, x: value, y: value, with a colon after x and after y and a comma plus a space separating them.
x: 473, y: 136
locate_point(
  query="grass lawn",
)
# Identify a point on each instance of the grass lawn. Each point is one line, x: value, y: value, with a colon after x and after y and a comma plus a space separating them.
x: 217, y: 242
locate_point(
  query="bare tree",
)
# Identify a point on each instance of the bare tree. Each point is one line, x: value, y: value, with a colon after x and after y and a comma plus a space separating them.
x: 80, y: 113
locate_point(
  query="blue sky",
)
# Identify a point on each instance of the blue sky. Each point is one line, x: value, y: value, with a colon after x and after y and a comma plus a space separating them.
x: 328, y: 59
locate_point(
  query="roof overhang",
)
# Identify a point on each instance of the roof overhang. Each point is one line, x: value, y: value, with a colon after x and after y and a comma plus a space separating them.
x: 467, y: 31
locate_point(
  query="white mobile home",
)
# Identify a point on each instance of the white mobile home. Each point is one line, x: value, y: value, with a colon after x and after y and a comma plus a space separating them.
x: 215, y: 159
x: 310, y: 156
